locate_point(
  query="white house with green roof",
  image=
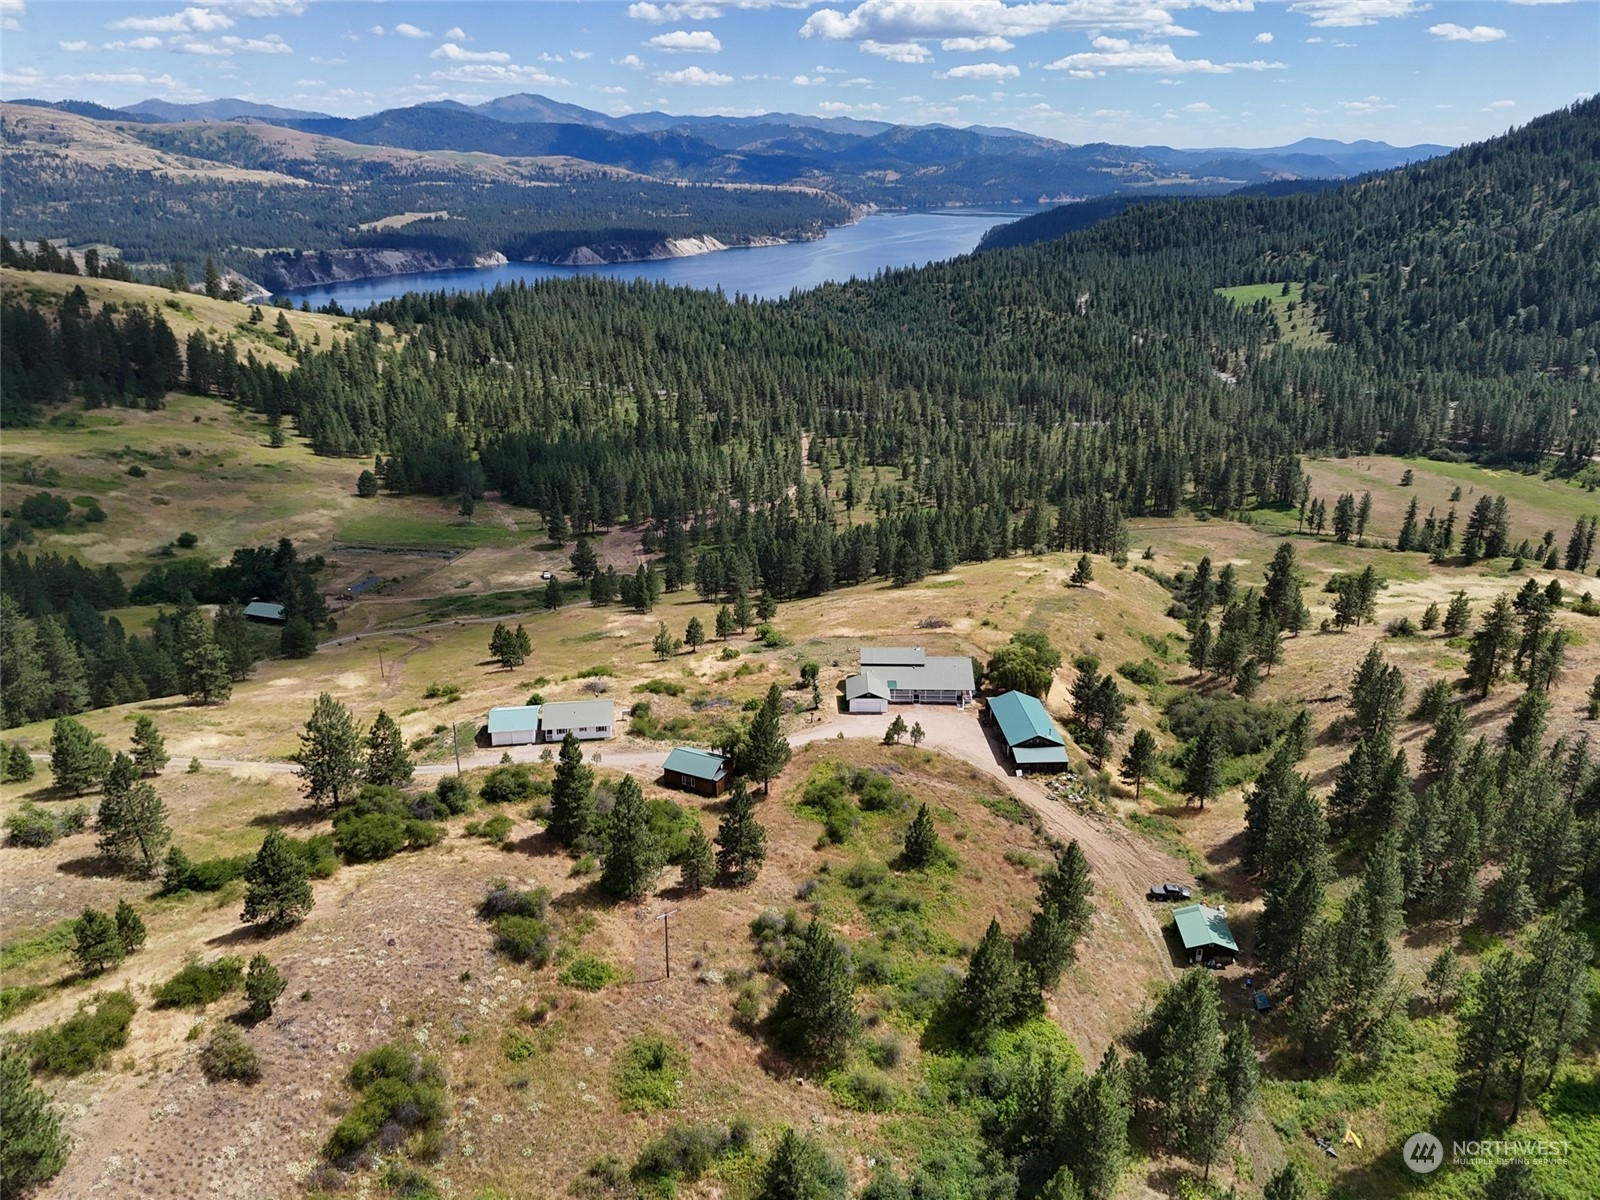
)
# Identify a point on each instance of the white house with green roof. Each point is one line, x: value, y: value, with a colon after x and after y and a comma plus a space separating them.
x: 907, y: 675
x: 586, y: 720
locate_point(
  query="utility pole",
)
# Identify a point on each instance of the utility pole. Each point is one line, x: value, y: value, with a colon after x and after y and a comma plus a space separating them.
x: 666, y: 938
x: 455, y: 738
x: 381, y: 674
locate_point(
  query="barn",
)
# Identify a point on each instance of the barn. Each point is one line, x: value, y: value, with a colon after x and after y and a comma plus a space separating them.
x: 1032, y: 739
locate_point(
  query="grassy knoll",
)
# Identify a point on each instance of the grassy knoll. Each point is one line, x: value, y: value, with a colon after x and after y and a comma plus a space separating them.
x: 1296, y: 316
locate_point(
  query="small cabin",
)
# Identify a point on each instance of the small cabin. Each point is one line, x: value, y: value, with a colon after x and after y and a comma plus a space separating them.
x: 697, y: 771
x: 265, y: 611
x: 1204, y: 932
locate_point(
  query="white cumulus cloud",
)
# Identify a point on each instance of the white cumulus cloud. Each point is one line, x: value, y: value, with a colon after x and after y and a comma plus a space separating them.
x: 454, y: 53
x: 986, y: 70
x: 11, y: 14
x: 1451, y: 32
x: 148, y: 42
x: 976, y: 45
x: 1119, y: 54
x: 908, y: 20
x: 693, y: 41
x: 660, y: 14
x: 1499, y: 105
x: 1345, y: 14
x: 455, y: 34
x: 406, y: 29
x: 1263, y: 39
x: 73, y: 47
x: 494, y: 73
x: 900, y: 52
x: 695, y: 77
x: 190, y: 20
x: 632, y: 61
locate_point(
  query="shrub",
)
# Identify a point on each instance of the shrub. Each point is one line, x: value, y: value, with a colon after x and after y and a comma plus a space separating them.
x: 207, y: 875
x: 33, y: 827
x: 524, y: 939
x: 588, y: 974
x: 85, y: 1040
x: 688, y: 1152
x: 648, y: 1074
x: 869, y: 1090
x: 453, y: 794
x: 368, y: 838
x: 401, y: 1096
x: 1242, y: 726
x: 228, y: 1056
x: 496, y: 829
x: 1144, y: 673
x: 508, y: 785
x: 1435, y: 698
x: 661, y: 687
x: 747, y: 1007
x: 1402, y: 627
x: 199, y: 984
x: 503, y: 900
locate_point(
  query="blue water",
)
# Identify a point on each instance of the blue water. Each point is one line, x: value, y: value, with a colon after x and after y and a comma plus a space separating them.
x: 876, y: 242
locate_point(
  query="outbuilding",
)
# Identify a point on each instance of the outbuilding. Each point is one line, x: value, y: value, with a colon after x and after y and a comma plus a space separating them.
x: 697, y: 771
x: 514, y: 725
x: 1031, y: 737
x: 265, y: 611
x: 586, y: 720
x: 1204, y: 933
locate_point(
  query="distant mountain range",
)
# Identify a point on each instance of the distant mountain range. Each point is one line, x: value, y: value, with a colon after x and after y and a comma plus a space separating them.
x: 866, y: 161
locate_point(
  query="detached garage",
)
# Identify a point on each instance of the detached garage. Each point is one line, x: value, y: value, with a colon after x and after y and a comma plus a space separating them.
x: 514, y: 726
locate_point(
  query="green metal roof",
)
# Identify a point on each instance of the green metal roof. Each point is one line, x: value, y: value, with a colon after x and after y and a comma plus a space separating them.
x: 697, y: 764
x: 579, y: 714
x: 892, y: 656
x: 264, y: 610
x: 1201, y: 926
x: 522, y: 718
x: 1029, y: 756
x: 932, y: 675
x: 1022, y: 719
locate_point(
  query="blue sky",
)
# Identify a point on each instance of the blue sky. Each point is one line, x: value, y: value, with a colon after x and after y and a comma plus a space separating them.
x: 1178, y: 72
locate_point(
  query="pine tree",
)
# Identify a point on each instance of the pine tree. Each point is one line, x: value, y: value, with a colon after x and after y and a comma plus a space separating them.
x: 77, y: 761
x: 632, y: 858
x: 130, y: 928
x: 572, y: 811
x: 1139, y: 759
x: 743, y: 615
x: 298, y: 639
x: 916, y: 735
x: 1288, y: 1184
x: 766, y: 751
x: 895, y: 731
x: 725, y: 623
x: 816, y: 1013
x: 34, y: 1149
x: 388, y: 760
x: 662, y: 645
x: 133, y: 826
x: 554, y: 595
x: 1200, y: 646
x: 921, y: 847
x: 507, y: 648
x: 1231, y: 1097
x: 262, y: 985
x: 276, y: 892
x: 1592, y: 710
x: 1377, y: 697
x: 149, y: 748
x: 1202, y: 774
x: 699, y: 862
x: 1457, y: 615
x: 329, y: 758
x: 1062, y: 918
x: 1513, y: 1179
x: 991, y: 994
x: 1491, y: 647
x: 741, y: 839
x: 1101, y: 1109
x: 96, y: 944
x: 694, y: 636
x: 1179, y: 1055
x: 19, y: 763
x: 1083, y: 573
x: 800, y: 1169
x: 584, y: 561
x: 1282, y: 591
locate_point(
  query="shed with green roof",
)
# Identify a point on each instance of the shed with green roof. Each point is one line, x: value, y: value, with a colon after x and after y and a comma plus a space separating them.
x: 1031, y: 737
x: 697, y: 771
x: 1204, y: 933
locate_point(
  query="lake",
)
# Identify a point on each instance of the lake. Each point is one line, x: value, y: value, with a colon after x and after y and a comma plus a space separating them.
x: 872, y: 244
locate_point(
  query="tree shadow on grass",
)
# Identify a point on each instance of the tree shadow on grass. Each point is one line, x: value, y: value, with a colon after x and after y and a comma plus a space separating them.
x: 306, y: 814
x: 91, y: 866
